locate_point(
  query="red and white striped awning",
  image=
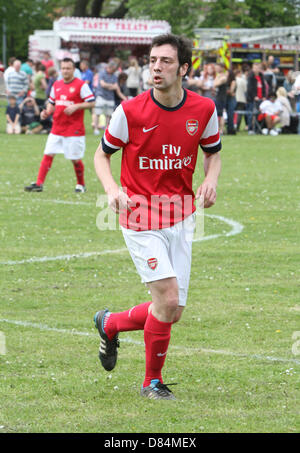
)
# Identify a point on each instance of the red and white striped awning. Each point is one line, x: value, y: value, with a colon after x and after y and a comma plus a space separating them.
x: 106, y: 31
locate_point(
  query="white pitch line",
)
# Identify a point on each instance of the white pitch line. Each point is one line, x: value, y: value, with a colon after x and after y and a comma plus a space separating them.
x: 43, y: 259
x: 236, y: 229
x: 36, y: 200
x: 129, y: 340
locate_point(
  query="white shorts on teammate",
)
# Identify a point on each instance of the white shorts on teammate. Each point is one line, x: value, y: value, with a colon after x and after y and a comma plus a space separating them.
x: 73, y: 148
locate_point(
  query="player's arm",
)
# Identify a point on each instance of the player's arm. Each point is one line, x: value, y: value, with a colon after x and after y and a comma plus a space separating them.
x: 88, y: 101
x: 207, y: 192
x: 117, y: 199
x: 211, y: 145
x: 48, y: 111
x: 80, y: 106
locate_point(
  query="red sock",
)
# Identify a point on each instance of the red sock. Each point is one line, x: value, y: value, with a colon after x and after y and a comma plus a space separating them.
x: 44, y: 168
x: 133, y: 319
x: 79, y: 170
x: 157, y: 336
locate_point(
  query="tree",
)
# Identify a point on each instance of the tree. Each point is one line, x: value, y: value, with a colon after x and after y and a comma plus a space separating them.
x: 22, y: 17
x: 183, y: 15
x: 100, y: 8
x: 252, y: 14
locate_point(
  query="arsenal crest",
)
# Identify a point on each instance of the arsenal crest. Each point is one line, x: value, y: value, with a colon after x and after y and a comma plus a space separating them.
x: 192, y: 126
x: 152, y: 263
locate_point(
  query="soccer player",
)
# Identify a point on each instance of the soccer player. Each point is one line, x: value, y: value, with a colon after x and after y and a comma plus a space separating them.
x: 159, y: 131
x: 68, y: 99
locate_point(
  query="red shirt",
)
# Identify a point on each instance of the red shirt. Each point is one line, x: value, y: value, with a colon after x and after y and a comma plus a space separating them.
x: 62, y: 95
x: 259, y: 91
x: 160, y: 148
x: 48, y: 64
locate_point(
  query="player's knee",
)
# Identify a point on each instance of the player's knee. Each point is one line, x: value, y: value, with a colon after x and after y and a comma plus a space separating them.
x: 171, y: 304
x: 178, y: 314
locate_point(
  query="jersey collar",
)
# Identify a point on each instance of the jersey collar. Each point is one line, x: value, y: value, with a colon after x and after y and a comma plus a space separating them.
x: 169, y: 109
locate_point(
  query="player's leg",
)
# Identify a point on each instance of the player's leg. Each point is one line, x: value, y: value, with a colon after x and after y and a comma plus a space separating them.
x: 74, y: 149
x: 169, y: 298
x: 110, y: 324
x: 53, y: 146
x: 126, y: 321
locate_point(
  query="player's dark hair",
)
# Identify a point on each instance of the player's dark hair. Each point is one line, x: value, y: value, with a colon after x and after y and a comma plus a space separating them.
x: 68, y: 60
x: 183, y: 45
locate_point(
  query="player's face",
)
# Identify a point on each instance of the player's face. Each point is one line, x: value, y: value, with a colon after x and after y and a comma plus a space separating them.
x: 164, y: 67
x: 67, y: 71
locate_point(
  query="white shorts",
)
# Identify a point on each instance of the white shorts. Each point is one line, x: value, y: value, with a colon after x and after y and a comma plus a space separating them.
x: 72, y: 147
x: 103, y: 106
x: 159, y: 254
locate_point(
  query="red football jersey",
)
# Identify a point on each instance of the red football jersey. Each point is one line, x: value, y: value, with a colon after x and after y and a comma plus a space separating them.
x: 160, y: 148
x: 62, y: 95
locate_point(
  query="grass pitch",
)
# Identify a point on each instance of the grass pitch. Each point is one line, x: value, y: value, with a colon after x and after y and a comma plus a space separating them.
x: 235, y: 354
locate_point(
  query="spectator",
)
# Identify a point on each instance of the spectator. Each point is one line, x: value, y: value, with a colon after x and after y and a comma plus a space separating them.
x: 206, y: 81
x: 30, y: 114
x: 12, y: 117
x: 105, y: 99
x: 272, y: 64
x: 9, y: 68
x: 256, y: 93
x: 75, y: 54
x: 190, y: 81
x: 288, y: 83
x: 146, y: 76
x: 40, y: 85
x: 286, y: 112
x: 220, y: 85
x: 87, y: 74
x: 17, y: 82
x: 47, y: 62
x: 122, y: 79
x: 269, y: 77
x: 270, y: 110
x: 53, y: 75
x: 296, y: 88
x: 28, y: 67
x: 240, y: 95
x: 230, y: 101
x: 134, y: 77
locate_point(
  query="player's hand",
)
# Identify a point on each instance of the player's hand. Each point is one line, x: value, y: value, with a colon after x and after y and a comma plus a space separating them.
x: 207, y: 194
x: 119, y: 201
x: 70, y: 109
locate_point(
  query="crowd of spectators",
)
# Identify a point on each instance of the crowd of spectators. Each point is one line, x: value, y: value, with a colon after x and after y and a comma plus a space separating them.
x: 247, y: 98
x: 253, y: 94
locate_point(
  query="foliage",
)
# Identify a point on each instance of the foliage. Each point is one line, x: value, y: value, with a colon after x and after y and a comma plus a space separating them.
x: 252, y: 14
x: 182, y: 14
x: 22, y: 17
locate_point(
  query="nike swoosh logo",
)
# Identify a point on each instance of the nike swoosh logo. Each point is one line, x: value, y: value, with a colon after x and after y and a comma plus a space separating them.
x: 151, y: 128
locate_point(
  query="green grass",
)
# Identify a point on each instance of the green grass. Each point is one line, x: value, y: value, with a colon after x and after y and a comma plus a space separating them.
x: 231, y: 353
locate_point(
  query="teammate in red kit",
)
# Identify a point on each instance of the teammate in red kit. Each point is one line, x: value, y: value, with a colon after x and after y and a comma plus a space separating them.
x: 68, y: 99
x: 160, y: 132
